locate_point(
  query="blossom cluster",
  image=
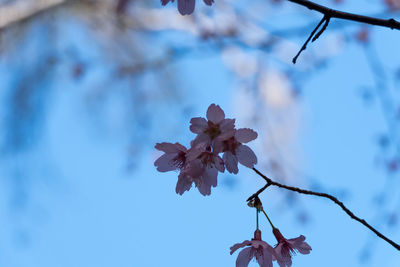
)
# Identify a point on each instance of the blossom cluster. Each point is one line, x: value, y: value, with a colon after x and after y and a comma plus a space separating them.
x: 186, y: 7
x: 200, y: 164
x: 265, y: 254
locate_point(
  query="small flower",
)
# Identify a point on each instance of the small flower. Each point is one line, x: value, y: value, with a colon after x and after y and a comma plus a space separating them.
x: 173, y: 159
x: 210, y: 163
x: 288, y: 247
x: 186, y: 7
x: 215, y: 128
x: 257, y: 248
x: 235, y: 151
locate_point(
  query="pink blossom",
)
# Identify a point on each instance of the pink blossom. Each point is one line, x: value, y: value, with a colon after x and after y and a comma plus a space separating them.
x: 210, y: 163
x: 186, y: 7
x: 288, y: 247
x: 175, y: 158
x: 257, y: 248
x: 215, y: 128
x: 235, y: 151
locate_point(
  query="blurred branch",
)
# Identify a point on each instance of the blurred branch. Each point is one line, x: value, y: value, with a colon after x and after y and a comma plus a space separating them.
x: 334, y: 199
x: 332, y: 13
x: 21, y: 10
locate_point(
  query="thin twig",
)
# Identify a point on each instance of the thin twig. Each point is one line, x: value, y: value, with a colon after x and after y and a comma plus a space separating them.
x: 308, y: 40
x: 334, y: 199
x: 327, y: 19
x: 332, y: 13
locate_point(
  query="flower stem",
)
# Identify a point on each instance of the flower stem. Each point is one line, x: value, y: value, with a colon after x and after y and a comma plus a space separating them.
x: 273, y: 227
x: 257, y: 218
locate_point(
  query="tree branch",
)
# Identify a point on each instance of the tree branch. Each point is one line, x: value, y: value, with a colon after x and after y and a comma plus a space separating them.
x: 324, y: 195
x: 324, y: 19
x: 389, y: 23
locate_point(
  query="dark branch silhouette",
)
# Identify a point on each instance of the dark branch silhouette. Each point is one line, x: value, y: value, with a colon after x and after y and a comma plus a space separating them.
x: 332, y: 13
x: 334, y: 199
x: 324, y: 19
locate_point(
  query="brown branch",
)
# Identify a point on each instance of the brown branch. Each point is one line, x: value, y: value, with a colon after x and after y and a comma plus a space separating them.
x: 334, y: 199
x: 389, y: 23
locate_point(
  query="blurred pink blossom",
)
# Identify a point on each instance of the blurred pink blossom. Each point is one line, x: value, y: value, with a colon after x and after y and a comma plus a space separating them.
x: 186, y: 7
x: 257, y: 248
x: 288, y: 247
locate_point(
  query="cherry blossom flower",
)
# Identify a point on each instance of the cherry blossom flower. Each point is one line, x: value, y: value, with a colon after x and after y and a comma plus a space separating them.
x: 200, y: 164
x: 173, y: 159
x: 186, y: 7
x: 288, y: 247
x: 211, y: 163
x: 185, y: 178
x: 215, y: 128
x: 257, y: 248
x: 235, y: 151
x: 197, y: 165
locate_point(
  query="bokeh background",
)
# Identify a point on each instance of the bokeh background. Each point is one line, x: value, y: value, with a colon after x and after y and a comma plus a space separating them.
x: 88, y: 87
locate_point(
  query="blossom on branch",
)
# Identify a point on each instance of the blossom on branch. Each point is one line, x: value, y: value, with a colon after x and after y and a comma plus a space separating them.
x: 186, y: 7
x: 256, y: 248
x: 288, y: 247
x: 201, y: 163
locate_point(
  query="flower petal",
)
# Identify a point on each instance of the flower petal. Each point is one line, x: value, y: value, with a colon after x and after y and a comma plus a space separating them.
x: 246, y: 156
x: 198, y: 125
x: 215, y: 114
x: 168, y: 147
x: 227, y: 128
x: 219, y: 164
x: 208, y: 179
x: 186, y: 7
x: 299, y: 244
x: 210, y: 176
x: 201, y: 139
x: 203, y: 188
x: 194, y: 168
x: 227, y: 125
x: 244, y: 257
x: 231, y: 162
x: 245, y: 135
x: 164, y: 163
x: 184, y: 184
x: 195, y: 151
x: 264, y: 258
x: 225, y: 135
x: 284, y: 259
x: 239, y: 245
